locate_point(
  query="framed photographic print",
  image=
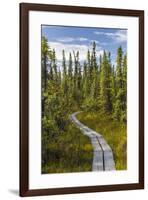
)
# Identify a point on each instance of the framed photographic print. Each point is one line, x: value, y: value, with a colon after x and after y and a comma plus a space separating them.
x: 81, y: 99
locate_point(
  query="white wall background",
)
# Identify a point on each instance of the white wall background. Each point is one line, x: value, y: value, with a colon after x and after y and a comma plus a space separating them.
x: 9, y: 99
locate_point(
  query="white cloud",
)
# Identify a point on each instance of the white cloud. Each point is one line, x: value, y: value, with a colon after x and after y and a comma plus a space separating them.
x: 59, y: 46
x: 121, y: 36
x: 99, y: 43
x: 82, y: 39
x: 99, y: 33
x: 65, y: 39
x: 118, y: 36
x: 71, y: 39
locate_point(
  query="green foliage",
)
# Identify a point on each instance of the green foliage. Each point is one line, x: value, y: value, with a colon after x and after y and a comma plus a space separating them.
x: 114, y: 132
x: 69, y: 152
x: 105, y: 84
x: 90, y: 104
x: 120, y: 103
x: 92, y: 86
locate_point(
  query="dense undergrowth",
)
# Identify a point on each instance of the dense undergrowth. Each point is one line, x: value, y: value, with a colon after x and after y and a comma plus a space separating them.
x: 113, y: 131
x: 70, y: 151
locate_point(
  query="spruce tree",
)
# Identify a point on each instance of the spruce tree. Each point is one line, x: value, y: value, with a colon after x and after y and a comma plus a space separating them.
x: 105, y: 96
x: 85, y: 85
x: 109, y: 83
x: 45, y: 56
x: 75, y: 79
x: 94, y: 75
x: 70, y: 78
x: 119, y: 85
x: 64, y: 65
x: 54, y: 65
x: 64, y: 75
x: 124, y: 107
x: 103, y: 85
x: 88, y: 62
x: 70, y: 67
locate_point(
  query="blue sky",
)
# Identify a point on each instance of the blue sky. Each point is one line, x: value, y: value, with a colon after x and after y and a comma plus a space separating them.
x: 81, y: 38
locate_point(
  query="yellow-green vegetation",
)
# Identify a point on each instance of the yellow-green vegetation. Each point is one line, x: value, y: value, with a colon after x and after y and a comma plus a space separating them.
x: 93, y: 86
x: 70, y: 151
x: 113, y: 131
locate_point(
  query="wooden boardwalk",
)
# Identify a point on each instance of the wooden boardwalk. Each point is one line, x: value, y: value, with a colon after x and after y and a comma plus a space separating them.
x: 102, y: 154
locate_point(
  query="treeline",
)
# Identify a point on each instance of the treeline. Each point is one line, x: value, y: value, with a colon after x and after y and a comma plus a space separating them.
x: 92, y: 85
x: 95, y: 85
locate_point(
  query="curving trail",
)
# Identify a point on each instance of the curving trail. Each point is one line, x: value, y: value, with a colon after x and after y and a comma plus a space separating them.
x: 102, y: 154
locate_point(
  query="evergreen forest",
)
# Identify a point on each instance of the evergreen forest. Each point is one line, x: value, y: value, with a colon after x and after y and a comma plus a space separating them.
x: 98, y: 89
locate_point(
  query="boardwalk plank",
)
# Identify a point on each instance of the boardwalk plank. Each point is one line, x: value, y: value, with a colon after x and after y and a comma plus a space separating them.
x: 102, y: 153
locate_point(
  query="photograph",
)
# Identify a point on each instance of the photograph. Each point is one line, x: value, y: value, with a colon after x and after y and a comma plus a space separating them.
x: 83, y: 99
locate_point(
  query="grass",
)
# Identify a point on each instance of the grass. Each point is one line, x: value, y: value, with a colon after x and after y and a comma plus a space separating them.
x: 70, y: 151
x: 113, y: 131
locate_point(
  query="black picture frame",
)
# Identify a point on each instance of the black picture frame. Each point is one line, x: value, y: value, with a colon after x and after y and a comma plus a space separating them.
x: 24, y: 96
